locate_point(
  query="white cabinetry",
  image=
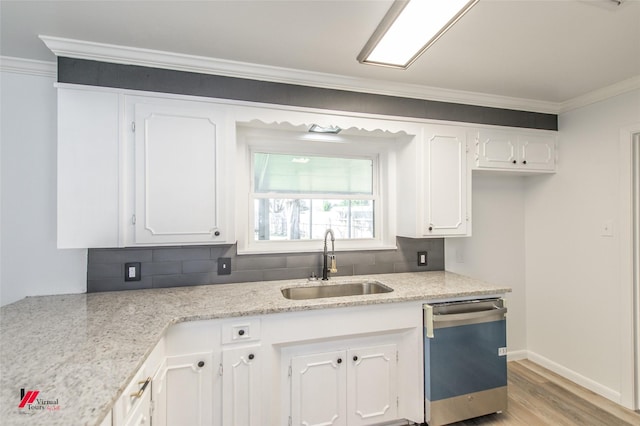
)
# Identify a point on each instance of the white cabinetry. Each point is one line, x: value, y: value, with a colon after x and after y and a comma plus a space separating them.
x: 318, y: 389
x: 142, y: 170
x: 88, y: 168
x: 189, y: 389
x: 241, y: 386
x: 372, y: 384
x: 213, y: 374
x: 434, y: 184
x: 241, y: 372
x: 348, y: 366
x: 134, y: 407
x: 515, y: 151
x: 355, y: 386
x: 179, y: 173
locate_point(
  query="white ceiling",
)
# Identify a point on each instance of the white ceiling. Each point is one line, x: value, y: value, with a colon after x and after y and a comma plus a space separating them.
x: 542, y: 50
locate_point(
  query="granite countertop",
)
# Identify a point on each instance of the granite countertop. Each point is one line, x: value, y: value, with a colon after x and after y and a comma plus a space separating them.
x: 81, y: 350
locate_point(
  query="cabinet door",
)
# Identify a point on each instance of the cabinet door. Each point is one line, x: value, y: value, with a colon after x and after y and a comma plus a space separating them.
x: 241, y: 386
x: 88, y: 168
x: 537, y: 152
x: 177, y: 174
x: 318, y: 389
x: 189, y: 389
x: 372, y: 388
x: 445, y: 177
x: 497, y: 150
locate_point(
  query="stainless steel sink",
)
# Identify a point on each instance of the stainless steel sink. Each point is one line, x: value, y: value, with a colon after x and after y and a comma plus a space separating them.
x: 335, y: 290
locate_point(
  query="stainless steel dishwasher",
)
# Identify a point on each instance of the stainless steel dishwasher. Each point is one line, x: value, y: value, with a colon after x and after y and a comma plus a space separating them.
x: 465, y: 363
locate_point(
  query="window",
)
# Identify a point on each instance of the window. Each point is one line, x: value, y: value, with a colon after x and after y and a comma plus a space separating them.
x: 299, y: 197
x: 300, y: 185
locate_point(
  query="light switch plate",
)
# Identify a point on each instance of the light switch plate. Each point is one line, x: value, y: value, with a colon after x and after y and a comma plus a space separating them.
x: 224, y: 266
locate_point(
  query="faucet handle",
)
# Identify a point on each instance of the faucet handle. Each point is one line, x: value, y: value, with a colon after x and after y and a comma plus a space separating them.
x: 332, y: 268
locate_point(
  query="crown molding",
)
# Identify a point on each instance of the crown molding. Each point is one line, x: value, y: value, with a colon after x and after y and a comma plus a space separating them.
x: 198, y: 64
x: 28, y: 66
x: 616, y: 89
x: 127, y: 55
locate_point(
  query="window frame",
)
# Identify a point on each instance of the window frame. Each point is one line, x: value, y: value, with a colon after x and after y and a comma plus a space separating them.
x: 299, y: 142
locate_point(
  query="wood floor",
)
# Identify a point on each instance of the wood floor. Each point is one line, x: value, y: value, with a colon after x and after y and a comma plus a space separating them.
x: 539, y: 397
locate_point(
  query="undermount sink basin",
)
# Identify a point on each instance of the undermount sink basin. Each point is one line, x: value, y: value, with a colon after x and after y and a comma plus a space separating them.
x: 335, y: 290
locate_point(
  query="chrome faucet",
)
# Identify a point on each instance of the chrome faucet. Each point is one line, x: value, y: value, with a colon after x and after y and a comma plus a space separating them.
x: 329, y: 260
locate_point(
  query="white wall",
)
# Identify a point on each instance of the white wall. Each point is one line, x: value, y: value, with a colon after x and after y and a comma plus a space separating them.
x: 30, y: 263
x: 495, y: 253
x: 573, y: 289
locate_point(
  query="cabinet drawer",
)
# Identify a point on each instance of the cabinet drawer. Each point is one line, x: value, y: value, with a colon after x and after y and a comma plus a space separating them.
x: 134, y: 395
x: 241, y: 330
x: 127, y: 403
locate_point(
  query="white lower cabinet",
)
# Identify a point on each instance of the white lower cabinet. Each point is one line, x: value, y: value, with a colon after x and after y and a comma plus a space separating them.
x: 241, y: 386
x: 346, y: 366
x: 372, y: 384
x: 141, y: 413
x: 318, y: 389
x: 134, y: 406
x: 347, y: 387
x: 189, y: 389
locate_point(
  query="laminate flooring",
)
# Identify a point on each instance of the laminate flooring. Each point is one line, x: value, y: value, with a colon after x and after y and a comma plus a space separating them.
x: 539, y: 397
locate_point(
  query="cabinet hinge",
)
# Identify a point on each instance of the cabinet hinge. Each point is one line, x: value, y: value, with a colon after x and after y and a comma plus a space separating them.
x: 289, y: 420
x: 133, y: 219
x: 220, y: 370
x: 152, y: 407
x: 397, y: 402
x: 133, y: 126
x: 289, y: 374
x: 397, y: 356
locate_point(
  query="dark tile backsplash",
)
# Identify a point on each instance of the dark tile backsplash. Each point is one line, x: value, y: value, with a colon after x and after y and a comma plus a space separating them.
x: 187, y: 266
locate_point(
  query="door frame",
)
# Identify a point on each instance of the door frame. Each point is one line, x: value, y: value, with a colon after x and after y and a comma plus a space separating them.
x: 629, y: 265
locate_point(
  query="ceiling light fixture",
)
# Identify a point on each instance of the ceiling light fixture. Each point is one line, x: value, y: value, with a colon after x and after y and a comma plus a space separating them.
x: 409, y: 28
x: 326, y: 129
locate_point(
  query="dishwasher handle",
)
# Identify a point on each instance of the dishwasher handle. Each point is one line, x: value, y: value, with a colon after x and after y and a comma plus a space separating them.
x: 459, y: 319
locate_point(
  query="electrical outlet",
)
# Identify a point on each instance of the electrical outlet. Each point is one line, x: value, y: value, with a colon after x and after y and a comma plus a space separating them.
x: 224, y: 266
x: 132, y: 271
x: 422, y: 258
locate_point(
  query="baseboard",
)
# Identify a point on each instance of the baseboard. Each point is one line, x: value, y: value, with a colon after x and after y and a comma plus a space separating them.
x: 517, y: 355
x: 575, y: 377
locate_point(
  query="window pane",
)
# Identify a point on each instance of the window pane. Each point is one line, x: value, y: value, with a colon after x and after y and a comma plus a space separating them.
x: 305, y: 219
x: 304, y: 174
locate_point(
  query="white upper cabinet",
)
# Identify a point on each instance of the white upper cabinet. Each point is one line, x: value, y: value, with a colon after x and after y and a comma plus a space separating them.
x: 434, y: 184
x: 515, y: 151
x: 179, y: 180
x: 88, y: 168
x: 142, y: 170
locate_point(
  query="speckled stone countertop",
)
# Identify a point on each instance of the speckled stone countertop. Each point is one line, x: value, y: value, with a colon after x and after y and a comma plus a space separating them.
x: 81, y: 350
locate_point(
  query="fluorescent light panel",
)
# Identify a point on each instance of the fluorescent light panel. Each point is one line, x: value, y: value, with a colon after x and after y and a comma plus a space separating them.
x: 409, y: 28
